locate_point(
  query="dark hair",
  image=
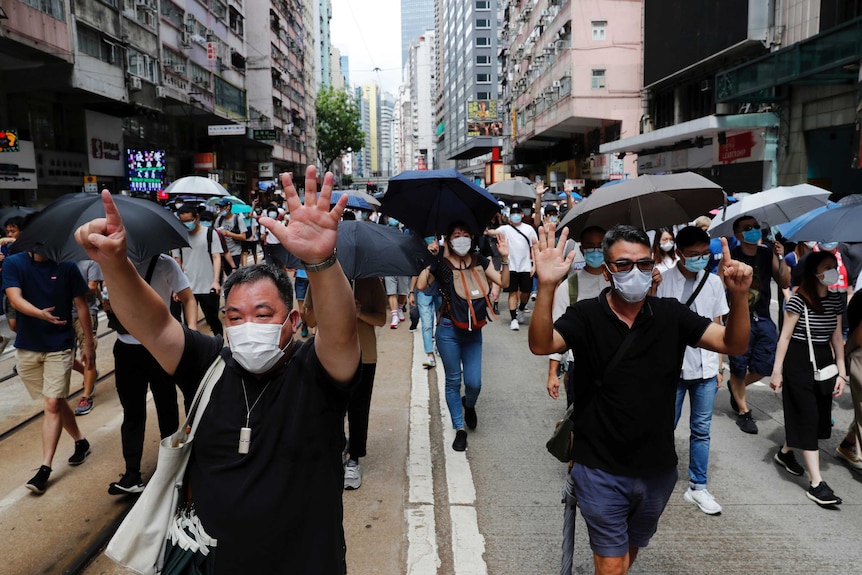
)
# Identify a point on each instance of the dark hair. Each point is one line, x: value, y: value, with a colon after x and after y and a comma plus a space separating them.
x: 254, y: 273
x: 187, y: 208
x: 737, y: 223
x: 347, y: 216
x: 207, y: 216
x: 691, y: 236
x: 808, y: 286
x: 623, y: 233
x: 458, y: 224
x: 589, y: 230
x: 15, y: 221
x: 657, y: 254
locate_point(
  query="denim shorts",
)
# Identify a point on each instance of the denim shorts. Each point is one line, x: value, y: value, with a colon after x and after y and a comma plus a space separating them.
x: 621, y: 512
x: 300, y: 287
x: 760, y: 355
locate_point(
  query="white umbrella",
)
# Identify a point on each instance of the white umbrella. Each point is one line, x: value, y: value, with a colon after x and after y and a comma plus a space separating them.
x: 774, y: 206
x: 196, y: 186
x: 512, y: 190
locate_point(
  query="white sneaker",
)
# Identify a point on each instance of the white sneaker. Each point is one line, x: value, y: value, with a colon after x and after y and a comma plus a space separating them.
x: 395, y: 321
x: 514, y: 325
x: 400, y: 315
x: 352, y: 475
x: 703, y: 499
x: 520, y: 317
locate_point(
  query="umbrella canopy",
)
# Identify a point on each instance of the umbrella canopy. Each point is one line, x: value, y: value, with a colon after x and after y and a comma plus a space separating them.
x: 787, y: 229
x: 512, y: 190
x: 648, y: 202
x: 355, y: 201
x: 233, y: 200
x: 774, y: 206
x: 372, y: 199
x: 841, y: 224
x: 21, y: 211
x: 196, y: 186
x: 428, y: 201
x: 150, y: 229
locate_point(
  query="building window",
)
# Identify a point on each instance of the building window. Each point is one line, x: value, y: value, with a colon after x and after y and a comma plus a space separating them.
x: 230, y: 97
x: 483, y: 60
x: 600, y: 28
x: 54, y: 8
x: 91, y: 43
x: 483, y: 5
x: 598, y: 79
x: 483, y: 41
x: 483, y: 24
x: 483, y: 78
x: 483, y: 95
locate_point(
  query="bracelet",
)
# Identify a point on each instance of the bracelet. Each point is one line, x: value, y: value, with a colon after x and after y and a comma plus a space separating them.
x: 320, y: 266
x: 504, y: 262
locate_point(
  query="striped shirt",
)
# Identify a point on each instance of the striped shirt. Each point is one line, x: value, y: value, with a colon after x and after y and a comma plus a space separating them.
x: 822, y: 324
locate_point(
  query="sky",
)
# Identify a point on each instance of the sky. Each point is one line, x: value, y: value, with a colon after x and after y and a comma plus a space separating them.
x: 369, y: 32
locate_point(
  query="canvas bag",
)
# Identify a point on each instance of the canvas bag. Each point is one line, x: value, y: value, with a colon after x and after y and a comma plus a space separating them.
x: 139, y: 543
x: 468, y: 303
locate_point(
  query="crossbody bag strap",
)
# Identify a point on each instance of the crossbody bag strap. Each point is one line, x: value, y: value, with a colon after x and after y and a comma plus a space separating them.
x: 152, y: 268
x: 697, y: 289
x: 523, y: 235
x: 808, y: 333
x: 202, y: 395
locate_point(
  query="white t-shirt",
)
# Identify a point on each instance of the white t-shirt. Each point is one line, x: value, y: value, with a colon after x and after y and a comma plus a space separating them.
x: 197, y: 262
x: 519, y: 247
x: 710, y: 303
x: 167, y: 279
x: 271, y: 240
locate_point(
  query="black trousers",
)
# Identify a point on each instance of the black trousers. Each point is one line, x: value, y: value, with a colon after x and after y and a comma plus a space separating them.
x: 135, y: 369
x: 209, y: 303
x: 358, y: 409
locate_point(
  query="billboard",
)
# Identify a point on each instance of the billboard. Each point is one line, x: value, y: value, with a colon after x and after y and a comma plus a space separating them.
x: 146, y: 170
x: 483, y: 118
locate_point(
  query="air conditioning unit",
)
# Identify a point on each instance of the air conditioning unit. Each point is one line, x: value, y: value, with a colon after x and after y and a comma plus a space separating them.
x: 209, y: 32
x: 186, y: 38
x: 160, y: 92
x: 557, y: 84
x: 167, y: 62
x: 528, y: 8
x: 179, y: 68
x: 545, y: 14
x: 135, y: 84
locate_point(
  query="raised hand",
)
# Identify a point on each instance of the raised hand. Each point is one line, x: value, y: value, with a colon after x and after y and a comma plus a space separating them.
x: 551, y: 266
x: 502, y: 246
x: 104, y: 239
x: 313, y: 230
x: 737, y: 275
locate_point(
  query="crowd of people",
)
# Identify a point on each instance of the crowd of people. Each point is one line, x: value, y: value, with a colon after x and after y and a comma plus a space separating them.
x: 630, y: 324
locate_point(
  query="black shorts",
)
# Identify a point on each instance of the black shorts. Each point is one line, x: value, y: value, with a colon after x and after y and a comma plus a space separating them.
x: 520, y: 282
x: 248, y: 246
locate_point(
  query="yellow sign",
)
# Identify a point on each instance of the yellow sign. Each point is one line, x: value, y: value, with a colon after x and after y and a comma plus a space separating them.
x: 90, y: 179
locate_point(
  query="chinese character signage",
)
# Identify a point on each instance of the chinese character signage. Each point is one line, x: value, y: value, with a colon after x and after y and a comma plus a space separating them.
x: 8, y: 141
x: 146, y: 170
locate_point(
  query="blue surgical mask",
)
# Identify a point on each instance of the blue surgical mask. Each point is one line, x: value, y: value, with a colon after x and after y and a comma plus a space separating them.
x: 553, y: 219
x: 594, y: 257
x: 696, y: 263
x: 752, y: 236
x: 515, y: 218
x: 828, y: 246
x: 393, y: 222
x: 632, y: 285
x: 189, y: 225
x: 204, y: 224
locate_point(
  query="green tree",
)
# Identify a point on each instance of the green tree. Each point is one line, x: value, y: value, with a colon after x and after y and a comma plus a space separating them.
x: 337, y: 126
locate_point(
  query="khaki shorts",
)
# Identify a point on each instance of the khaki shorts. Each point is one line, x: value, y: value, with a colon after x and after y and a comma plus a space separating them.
x: 45, y: 374
x: 79, y: 331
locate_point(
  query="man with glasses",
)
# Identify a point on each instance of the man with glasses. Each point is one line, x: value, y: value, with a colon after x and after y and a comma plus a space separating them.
x: 630, y: 349
x: 690, y: 282
x: 756, y: 363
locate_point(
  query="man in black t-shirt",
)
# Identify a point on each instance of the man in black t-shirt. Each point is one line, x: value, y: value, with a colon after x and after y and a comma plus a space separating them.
x: 265, y: 471
x: 756, y: 363
x: 625, y: 464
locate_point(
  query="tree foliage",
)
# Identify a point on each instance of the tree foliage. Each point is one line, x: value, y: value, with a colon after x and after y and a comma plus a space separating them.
x: 337, y: 126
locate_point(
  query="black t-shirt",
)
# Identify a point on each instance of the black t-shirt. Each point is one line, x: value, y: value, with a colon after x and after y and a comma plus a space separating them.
x: 760, y: 291
x: 854, y: 312
x: 277, y: 509
x: 625, y: 426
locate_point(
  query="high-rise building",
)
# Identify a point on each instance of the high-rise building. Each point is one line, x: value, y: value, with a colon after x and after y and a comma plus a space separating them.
x: 325, y: 44
x: 368, y: 159
x: 345, y: 68
x: 416, y: 17
x: 387, y: 135
x: 417, y: 105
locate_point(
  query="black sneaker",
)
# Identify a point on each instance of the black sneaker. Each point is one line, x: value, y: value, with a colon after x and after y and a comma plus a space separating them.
x: 82, y: 450
x: 788, y: 461
x: 822, y: 495
x: 745, y: 422
x: 469, y: 415
x: 40, y: 481
x: 497, y: 308
x: 460, y: 443
x: 733, y: 405
x: 130, y: 482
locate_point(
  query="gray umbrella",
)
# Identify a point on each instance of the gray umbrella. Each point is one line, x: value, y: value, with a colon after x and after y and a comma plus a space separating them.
x: 512, y: 190
x: 648, y: 202
x: 774, y: 206
x: 6, y: 213
x: 839, y: 225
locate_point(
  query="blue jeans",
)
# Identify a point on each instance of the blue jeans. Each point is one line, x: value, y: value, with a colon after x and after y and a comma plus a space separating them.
x: 461, y: 352
x: 428, y: 306
x: 702, y: 398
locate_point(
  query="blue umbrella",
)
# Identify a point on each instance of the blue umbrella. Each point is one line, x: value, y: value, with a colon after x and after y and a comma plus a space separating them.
x: 428, y: 201
x: 787, y: 229
x: 356, y: 202
x: 840, y: 224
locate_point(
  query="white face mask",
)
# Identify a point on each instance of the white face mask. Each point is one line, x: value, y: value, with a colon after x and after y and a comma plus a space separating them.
x: 461, y: 246
x: 666, y: 246
x: 829, y: 277
x: 632, y: 285
x: 255, y: 345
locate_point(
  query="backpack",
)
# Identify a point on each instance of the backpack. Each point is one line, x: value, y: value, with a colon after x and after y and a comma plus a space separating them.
x: 466, y: 299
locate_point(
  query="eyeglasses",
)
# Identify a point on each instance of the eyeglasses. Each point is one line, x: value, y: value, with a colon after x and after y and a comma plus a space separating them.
x: 749, y: 227
x: 700, y: 255
x: 627, y: 265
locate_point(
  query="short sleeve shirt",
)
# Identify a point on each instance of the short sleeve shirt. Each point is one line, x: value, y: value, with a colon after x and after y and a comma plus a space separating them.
x: 91, y: 272
x: 822, y: 324
x: 197, y: 260
x: 625, y: 425
x: 167, y: 280
x: 761, y: 284
x: 278, y: 508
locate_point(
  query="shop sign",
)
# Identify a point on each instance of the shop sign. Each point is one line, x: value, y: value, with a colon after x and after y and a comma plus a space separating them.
x: 105, y: 149
x: 18, y: 169
x: 265, y: 170
x: 204, y: 161
x: 263, y: 135
x: 8, y: 140
x: 145, y: 170
x: 739, y: 147
x: 226, y: 130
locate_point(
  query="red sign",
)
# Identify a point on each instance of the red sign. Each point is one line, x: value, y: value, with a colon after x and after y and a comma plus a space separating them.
x: 421, y: 164
x: 211, y: 51
x: 204, y: 161
x: 736, y: 147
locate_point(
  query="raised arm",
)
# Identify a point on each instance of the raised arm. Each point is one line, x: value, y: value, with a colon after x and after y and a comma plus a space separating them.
x: 138, y: 307
x: 311, y: 236
x: 551, y: 268
x: 731, y: 338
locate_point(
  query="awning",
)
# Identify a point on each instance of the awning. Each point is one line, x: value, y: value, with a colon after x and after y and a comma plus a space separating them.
x: 708, y: 126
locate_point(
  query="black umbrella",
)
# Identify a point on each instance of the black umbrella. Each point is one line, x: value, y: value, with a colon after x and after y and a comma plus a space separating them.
x: 150, y: 229
x: 428, y: 201
x: 11, y: 212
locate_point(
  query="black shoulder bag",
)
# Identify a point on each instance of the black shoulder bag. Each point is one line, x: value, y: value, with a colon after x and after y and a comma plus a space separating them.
x: 562, y: 439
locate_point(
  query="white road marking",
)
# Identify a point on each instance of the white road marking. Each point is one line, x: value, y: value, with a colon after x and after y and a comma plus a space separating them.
x: 468, y: 545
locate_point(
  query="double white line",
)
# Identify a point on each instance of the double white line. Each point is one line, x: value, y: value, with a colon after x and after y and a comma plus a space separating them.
x: 468, y: 544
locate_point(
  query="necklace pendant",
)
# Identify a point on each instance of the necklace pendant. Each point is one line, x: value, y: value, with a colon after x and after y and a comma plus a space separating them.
x: 244, y: 440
